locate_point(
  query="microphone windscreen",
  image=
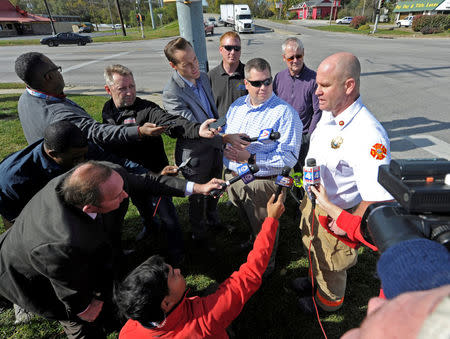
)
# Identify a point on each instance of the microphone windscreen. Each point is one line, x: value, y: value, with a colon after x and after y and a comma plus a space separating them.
x: 194, y: 162
x: 275, y: 135
x: 285, y: 171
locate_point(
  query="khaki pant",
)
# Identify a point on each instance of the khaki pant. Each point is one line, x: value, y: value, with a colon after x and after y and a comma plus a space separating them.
x: 330, y: 258
x: 252, y: 200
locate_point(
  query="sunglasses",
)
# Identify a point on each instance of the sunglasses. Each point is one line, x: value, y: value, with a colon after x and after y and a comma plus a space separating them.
x: 230, y: 48
x: 291, y: 58
x: 259, y: 83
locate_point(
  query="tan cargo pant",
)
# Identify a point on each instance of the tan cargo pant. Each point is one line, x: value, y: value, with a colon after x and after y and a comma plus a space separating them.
x: 252, y: 200
x: 330, y: 258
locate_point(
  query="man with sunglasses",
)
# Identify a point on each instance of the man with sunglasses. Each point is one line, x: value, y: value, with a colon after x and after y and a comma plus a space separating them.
x: 297, y: 85
x: 261, y: 109
x: 227, y: 79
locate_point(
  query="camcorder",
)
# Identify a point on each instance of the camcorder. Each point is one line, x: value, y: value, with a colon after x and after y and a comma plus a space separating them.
x: 421, y: 188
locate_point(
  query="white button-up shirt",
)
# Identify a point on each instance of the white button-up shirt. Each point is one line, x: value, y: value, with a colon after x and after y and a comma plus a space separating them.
x: 349, y: 149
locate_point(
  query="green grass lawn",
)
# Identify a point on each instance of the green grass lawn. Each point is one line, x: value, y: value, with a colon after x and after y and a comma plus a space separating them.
x: 270, y: 313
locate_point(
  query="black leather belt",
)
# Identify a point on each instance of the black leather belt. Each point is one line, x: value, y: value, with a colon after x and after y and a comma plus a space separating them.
x: 233, y: 173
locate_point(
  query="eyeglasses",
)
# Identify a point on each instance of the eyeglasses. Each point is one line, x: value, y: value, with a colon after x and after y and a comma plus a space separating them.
x: 259, y: 83
x: 57, y: 68
x: 230, y: 48
x: 298, y: 57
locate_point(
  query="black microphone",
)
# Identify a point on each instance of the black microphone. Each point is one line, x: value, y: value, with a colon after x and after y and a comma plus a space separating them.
x: 311, y: 177
x: 264, y: 136
x: 245, y: 173
x: 186, y: 165
x: 283, y: 180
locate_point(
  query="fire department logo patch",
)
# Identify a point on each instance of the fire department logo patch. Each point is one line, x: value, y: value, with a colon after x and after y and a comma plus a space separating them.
x: 378, y: 151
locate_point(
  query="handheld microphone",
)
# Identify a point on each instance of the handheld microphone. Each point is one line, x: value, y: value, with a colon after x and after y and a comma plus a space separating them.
x: 185, y: 166
x: 311, y: 177
x: 245, y: 173
x: 266, y: 135
x: 283, y: 180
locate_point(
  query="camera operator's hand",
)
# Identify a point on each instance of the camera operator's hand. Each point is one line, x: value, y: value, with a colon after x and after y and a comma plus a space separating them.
x: 275, y: 210
x: 332, y: 225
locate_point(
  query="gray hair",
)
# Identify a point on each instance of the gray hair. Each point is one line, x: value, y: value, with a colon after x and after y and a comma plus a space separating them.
x: 119, y: 69
x: 295, y: 41
x: 257, y: 63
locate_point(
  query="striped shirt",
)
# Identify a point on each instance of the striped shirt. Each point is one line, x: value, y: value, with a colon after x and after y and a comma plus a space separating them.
x: 275, y: 113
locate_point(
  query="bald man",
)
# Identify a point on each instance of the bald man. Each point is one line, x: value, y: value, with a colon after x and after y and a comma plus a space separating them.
x: 58, y: 258
x: 349, y: 144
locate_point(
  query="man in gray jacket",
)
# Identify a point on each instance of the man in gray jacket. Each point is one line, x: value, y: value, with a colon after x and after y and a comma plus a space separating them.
x: 188, y: 93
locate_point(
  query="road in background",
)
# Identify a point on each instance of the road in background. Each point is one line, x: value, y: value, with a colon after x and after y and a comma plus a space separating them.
x: 404, y: 81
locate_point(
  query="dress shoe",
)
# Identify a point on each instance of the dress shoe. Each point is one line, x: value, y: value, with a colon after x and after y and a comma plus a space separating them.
x: 302, y: 286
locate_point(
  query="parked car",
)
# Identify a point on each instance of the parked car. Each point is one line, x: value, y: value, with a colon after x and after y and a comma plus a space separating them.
x: 213, y: 21
x: 209, y: 28
x: 406, y: 22
x: 66, y: 38
x: 344, y: 20
x: 86, y: 29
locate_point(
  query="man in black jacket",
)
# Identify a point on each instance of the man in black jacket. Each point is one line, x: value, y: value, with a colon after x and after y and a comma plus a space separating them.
x: 124, y: 108
x: 57, y: 259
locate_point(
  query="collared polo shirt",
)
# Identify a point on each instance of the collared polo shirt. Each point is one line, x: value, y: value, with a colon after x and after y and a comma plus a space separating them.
x: 227, y: 88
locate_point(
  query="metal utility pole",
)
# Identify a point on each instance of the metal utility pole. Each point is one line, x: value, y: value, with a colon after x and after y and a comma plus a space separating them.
x: 377, y: 17
x: 190, y: 21
x: 50, y: 17
x: 121, y: 18
x: 151, y: 13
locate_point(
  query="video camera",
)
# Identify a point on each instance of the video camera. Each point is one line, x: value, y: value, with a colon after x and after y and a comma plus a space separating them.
x: 421, y: 188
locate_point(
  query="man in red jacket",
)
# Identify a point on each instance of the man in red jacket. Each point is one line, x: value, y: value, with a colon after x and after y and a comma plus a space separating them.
x: 153, y: 296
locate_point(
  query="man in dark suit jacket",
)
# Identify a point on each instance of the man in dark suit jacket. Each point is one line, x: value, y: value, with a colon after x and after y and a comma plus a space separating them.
x: 188, y: 93
x: 57, y: 259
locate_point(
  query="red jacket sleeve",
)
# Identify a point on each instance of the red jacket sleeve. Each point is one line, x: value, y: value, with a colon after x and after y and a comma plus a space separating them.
x: 221, y: 308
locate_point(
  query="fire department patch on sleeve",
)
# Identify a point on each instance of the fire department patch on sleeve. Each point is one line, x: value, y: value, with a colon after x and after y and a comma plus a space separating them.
x: 378, y: 151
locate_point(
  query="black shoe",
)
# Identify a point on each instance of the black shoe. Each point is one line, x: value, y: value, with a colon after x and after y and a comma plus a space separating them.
x: 302, y: 286
x: 306, y: 305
